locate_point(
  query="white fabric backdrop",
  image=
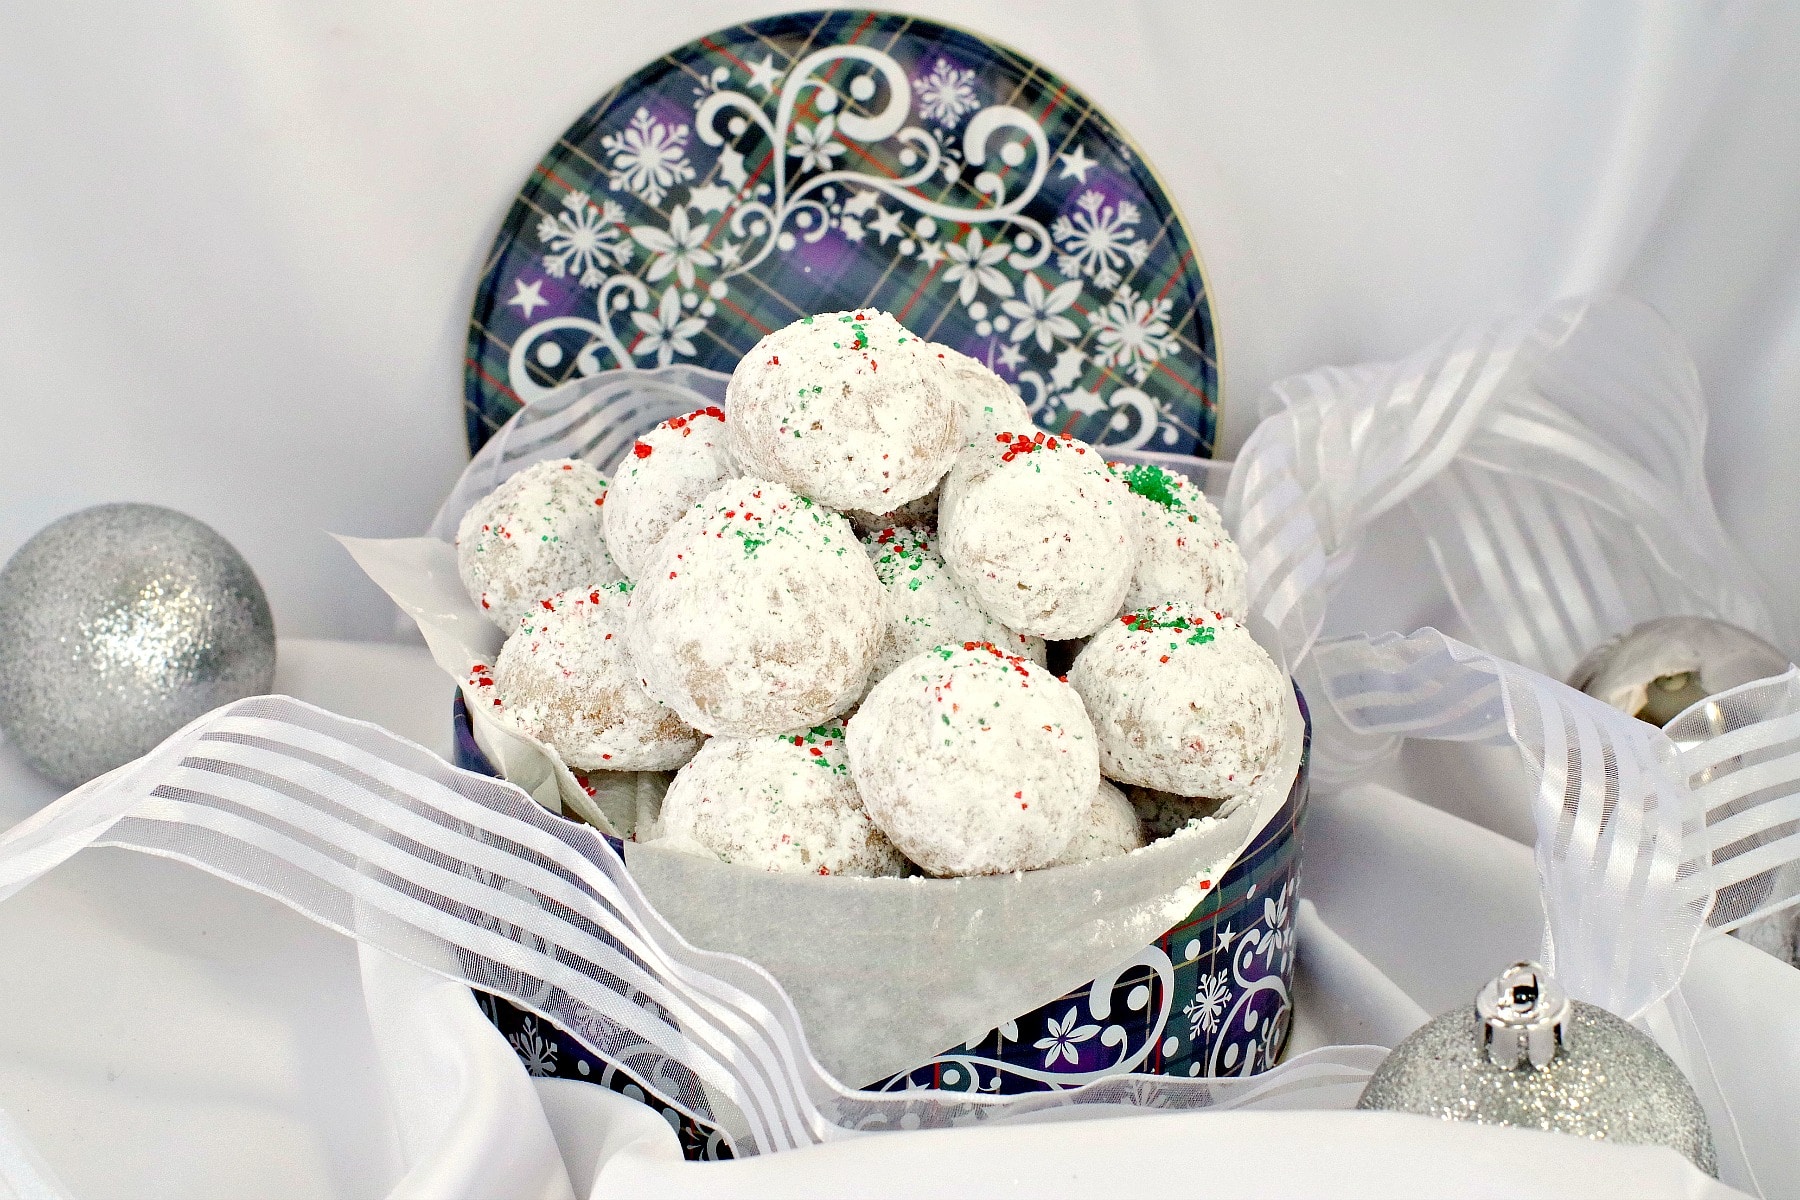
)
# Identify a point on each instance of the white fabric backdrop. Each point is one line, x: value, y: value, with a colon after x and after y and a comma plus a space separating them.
x: 238, y: 242
x: 237, y: 245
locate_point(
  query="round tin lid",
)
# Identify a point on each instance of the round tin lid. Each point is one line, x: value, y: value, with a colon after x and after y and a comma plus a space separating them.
x: 829, y: 160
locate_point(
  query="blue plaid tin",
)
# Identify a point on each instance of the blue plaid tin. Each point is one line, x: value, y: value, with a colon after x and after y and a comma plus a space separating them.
x: 1212, y: 996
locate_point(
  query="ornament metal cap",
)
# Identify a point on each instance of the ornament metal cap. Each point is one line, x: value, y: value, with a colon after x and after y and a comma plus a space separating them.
x: 1524, y: 1016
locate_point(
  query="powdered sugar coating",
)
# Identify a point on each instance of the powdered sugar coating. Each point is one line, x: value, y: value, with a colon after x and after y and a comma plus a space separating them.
x: 779, y: 803
x: 759, y: 613
x: 974, y: 761
x: 927, y: 607
x: 1041, y: 532
x: 658, y: 480
x: 1184, y: 552
x: 563, y: 677
x: 849, y: 408
x: 1111, y: 828
x: 989, y: 404
x: 1182, y: 700
x: 537, y: 534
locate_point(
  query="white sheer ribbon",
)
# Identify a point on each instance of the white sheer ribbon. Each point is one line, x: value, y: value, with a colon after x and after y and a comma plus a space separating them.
x: 1552, y: 465
x: 467, y: 876
x: 1639, y: 841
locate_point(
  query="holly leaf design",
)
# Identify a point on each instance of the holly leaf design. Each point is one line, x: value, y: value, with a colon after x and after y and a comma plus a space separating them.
x: 1082, y: 401
x: 711, y: 198
x: 1068, y: 369
x: 731, y: 168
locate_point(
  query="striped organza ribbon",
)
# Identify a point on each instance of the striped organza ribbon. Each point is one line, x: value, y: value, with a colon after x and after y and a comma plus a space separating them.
x: 467, y: 876
x: 1645, y: 837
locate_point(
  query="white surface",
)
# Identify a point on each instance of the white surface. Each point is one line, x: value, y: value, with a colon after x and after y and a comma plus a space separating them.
x: 238, y: 242
x: 177, y: 1037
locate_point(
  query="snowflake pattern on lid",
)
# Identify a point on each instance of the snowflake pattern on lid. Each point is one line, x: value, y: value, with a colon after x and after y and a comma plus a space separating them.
x: 828, y: 160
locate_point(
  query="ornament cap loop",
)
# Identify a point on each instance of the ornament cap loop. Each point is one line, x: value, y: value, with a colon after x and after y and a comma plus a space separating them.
x: 1525, y: 1017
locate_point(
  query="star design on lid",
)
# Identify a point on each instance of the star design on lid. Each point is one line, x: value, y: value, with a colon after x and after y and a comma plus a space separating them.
x: 528, y: 298
x: 1076, y: 165
x: 764, y: 75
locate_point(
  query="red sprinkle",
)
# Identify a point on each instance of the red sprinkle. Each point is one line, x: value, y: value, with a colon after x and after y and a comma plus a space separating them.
x: 548, y: 607
x: 594, y: 597
x: 641, y: 450
x: 774, y: 360
x: 1205, y: 884
x: 816, y: 752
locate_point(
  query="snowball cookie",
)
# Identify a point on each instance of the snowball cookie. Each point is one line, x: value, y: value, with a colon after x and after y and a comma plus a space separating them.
x: 926, y: 607
x: 1041, y: 532
x: 849, y: 408
x: 563, y: 677
x: 1111, y: 828
x: 778, y: 803
x: 1183, y: 701
x: 1163, y: 813
x: 537, y: 534
x: 989, y: 404
x: 758, y: 613
x: 659, y: 479
x: 974, y: 761
x: 1184, y: 552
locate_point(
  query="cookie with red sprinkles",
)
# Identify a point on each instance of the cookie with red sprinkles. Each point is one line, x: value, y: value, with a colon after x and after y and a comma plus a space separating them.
x: 1041, y: 531
x: 779, y: 803
x: 758, y: 613
x: 658, y: 480
x: 1111, y: 828
x: 563, y: 677
x: 926, y: 606
x: 1184, y: 552
x: 974, y: 761
x: 1182, y: 700
x: 537, y: 534
x: 850, y: 408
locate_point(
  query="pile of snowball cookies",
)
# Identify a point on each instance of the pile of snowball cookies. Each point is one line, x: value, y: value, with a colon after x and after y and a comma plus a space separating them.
x: 830, y: 604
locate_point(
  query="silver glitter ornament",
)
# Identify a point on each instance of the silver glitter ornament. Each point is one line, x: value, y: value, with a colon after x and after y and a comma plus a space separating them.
x: 1525, y: 1054
x: 1659, y: 668
x: 119, y: 624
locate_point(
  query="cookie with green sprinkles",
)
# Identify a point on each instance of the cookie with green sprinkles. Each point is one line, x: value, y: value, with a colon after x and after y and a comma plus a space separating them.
x: 658, y: 480
x: 1183, y: 700
x: 926, y: 606
x: 758, y: 613
x: 779, y: 803
x: 1184, y: 552
x: 975, y: 761
x: 850, y: 408
x: 537, y: 534
x: 1043, y: 534
x: 563, y: 677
